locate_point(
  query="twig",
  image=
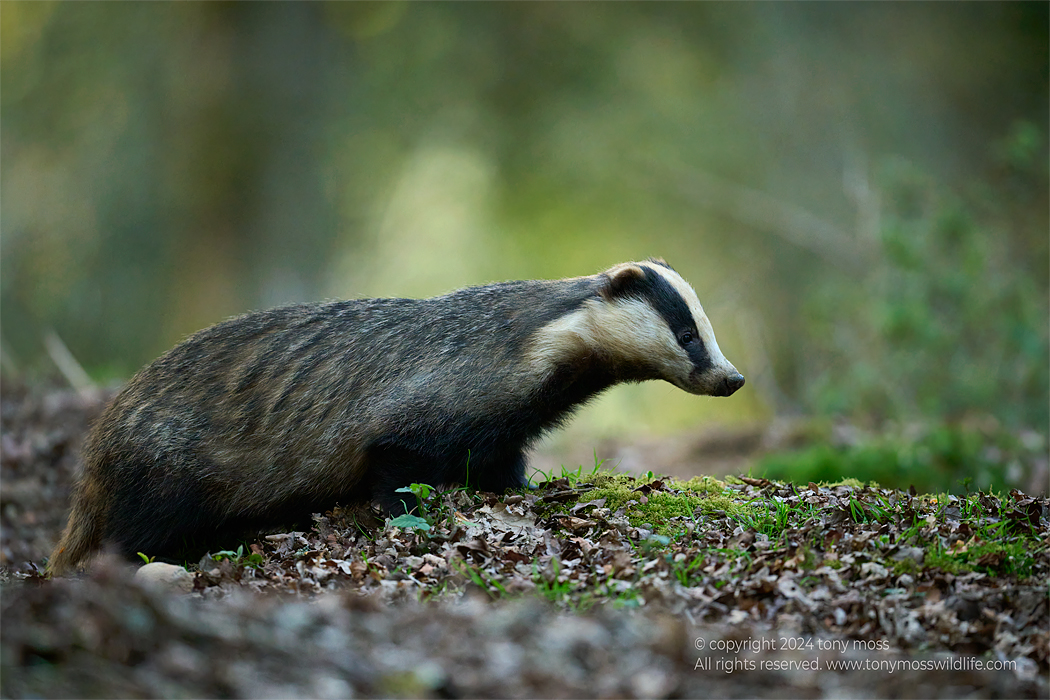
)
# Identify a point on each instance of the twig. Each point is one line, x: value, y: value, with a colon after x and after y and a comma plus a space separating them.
x: 67, y: 364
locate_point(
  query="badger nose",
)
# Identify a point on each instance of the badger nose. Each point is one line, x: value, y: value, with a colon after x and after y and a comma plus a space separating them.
x: 732, y: 383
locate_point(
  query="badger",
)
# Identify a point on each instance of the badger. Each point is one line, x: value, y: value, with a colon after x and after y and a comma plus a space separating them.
x: 271, y: 416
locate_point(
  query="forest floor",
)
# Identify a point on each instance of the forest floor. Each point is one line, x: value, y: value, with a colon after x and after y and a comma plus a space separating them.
x: 594, y: 584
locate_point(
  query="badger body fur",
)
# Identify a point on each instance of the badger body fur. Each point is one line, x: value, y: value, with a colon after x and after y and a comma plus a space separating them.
x: 281, y: 413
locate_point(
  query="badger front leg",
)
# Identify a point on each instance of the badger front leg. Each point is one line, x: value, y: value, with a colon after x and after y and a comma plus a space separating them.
x: 392, y: 467
x: 497, y: 475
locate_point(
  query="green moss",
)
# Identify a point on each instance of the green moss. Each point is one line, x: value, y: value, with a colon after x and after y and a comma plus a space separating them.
x: 945, y: 562
x: 703, y: 484
x: 810, y: 559
x: 661, y: 507
x: 904, y: 566
x: 703, y: 494
x: 614, y: 480
x: 851, y: 482
x: 725, y: 504
x: 993, y: 558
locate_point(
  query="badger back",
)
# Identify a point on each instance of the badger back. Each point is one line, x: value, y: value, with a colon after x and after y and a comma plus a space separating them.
x: 307, y: 385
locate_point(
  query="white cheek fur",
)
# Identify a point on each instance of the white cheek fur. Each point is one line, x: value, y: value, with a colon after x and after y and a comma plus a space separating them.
x: 631, y: 331
x: 624, y: 331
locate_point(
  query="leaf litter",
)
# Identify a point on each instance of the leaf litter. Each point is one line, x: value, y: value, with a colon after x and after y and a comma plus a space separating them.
x: 588, y: 585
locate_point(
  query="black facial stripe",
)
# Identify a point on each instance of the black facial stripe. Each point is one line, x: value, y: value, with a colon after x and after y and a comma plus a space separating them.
x: 667, y: 302
x: 700, y: 357
x: 665, y: 299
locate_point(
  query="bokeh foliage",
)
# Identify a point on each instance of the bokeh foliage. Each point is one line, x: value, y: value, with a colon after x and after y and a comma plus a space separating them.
x: 858, y: 191
x: 948, y: 316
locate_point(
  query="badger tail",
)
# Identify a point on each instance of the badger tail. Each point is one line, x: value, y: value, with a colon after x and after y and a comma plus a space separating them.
x: 83, y: 533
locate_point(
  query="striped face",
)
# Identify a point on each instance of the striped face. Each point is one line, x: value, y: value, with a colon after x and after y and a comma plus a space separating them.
x: 649, y: 317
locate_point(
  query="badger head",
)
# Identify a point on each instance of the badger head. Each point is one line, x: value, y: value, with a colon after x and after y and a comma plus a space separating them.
x: 649, y: 321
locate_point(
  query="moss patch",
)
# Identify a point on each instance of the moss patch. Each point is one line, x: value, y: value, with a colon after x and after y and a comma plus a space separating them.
x: 665, y: 505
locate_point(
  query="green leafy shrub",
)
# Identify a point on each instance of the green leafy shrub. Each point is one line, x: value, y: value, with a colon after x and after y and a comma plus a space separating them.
x: 946, y: 318
x: 942, y: 458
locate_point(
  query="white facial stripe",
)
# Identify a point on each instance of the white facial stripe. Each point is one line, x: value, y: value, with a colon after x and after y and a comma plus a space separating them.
x: 631, y: 330
x: 628, y: 331
x: 563, y: 339
x: 703, y: 325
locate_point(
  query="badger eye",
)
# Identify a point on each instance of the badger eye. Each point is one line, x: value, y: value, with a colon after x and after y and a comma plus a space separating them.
x: 685, y: 337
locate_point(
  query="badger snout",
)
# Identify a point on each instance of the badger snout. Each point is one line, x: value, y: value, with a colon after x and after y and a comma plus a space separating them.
x: 713, y: 383
x: 730, y: 384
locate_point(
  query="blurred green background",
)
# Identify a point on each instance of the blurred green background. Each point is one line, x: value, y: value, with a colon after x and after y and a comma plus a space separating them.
x: 858, y: 191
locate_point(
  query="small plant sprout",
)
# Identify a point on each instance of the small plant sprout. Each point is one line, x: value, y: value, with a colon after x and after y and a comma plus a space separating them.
x: 410, y: 522
x: 421, y: 492
x: 239, y: 557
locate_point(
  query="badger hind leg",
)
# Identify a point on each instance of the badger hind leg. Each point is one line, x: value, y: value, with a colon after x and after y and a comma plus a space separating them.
x: 161, y: 521
x: 137, y: 504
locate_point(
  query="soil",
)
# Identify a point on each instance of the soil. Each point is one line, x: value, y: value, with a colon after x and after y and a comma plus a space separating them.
x: 549, y: 594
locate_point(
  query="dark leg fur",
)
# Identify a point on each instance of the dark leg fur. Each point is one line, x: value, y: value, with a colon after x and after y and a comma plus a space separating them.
x: 158, y: 521
x: 182, y: 524
x: 507, y: 472
x: 394, y: 467
x: 171, y: 515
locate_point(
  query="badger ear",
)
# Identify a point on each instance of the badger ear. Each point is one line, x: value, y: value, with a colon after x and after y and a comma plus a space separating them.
x: 621, y: 279
x: 661, y: 262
